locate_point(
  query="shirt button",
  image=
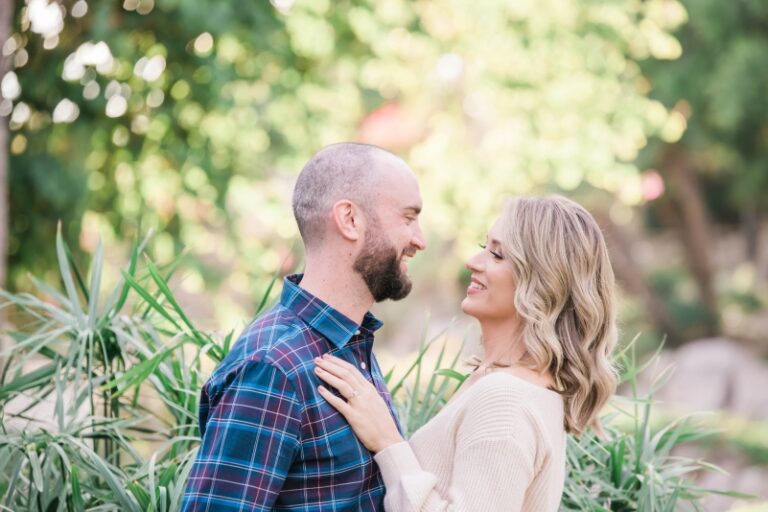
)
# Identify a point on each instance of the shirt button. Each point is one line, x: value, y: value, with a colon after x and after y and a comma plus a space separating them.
x: 357, y: 332
x: 362, y: 365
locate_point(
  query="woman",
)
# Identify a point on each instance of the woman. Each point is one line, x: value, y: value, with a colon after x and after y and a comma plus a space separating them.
x: 542, y: 289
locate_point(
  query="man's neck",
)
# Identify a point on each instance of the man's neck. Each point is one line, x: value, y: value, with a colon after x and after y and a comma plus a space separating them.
x: 343, y: 290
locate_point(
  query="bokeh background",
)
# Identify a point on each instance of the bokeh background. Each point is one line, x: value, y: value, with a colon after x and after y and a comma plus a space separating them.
x: 190, y: 119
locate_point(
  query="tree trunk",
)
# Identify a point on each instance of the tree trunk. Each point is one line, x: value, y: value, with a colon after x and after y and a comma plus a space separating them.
x: 694, y: 228
x: 630, y: 274
x: 7, y: 8
x: 750, y: 217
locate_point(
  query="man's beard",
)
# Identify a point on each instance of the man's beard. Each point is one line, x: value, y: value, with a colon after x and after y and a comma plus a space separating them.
x: 379, y: 266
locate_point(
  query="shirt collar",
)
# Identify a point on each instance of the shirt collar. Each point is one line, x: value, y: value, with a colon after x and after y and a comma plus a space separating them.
x: 320, y: 316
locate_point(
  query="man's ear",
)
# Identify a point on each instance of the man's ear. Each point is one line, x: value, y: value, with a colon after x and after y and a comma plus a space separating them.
x: 347, y: 218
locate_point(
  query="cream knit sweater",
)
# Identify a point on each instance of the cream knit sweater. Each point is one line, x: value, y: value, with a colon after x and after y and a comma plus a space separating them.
x: 497, y: 446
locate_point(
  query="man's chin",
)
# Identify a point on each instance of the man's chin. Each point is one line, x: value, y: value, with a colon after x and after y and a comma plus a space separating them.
x: 398, y: 293
x: 404, y: 293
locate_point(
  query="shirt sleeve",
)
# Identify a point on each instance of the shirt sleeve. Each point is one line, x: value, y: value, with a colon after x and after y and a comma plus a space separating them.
x: 250, y: 441
x: 491, y: 470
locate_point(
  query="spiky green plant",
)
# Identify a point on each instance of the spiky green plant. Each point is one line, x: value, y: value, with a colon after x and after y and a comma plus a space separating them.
x: 99, y: 358
x: 421, y: 392
x: 631, y: 468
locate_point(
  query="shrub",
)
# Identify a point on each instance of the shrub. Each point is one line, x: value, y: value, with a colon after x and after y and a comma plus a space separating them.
x: 101, y: 359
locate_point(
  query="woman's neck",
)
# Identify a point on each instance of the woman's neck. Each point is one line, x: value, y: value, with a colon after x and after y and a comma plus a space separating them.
x: 502, y: 344
x: 503, y: 347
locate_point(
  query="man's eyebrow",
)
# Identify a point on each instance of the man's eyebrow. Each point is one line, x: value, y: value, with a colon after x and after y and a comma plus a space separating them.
x: 414, y: 209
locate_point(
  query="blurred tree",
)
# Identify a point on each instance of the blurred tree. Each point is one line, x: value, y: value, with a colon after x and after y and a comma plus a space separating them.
x: 124, y: 113
x: 194, y: 116
x: 6, y: 20
x: 718, y: 90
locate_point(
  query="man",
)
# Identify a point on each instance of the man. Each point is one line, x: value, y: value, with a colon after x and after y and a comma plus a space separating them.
x: 269, y: 439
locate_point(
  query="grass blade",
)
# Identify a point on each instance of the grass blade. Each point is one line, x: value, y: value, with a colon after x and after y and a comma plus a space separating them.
x: 93, y: 301
x: 66, y: 276
x: 149, y: 299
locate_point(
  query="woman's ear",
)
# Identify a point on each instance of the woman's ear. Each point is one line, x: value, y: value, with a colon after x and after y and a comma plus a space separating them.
x: 347, y: 219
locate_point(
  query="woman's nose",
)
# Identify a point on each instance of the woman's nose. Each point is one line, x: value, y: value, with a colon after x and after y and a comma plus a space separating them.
x: 474, y: 263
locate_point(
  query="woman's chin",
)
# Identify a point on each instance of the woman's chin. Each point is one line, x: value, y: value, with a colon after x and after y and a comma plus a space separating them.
x: 466, y: 306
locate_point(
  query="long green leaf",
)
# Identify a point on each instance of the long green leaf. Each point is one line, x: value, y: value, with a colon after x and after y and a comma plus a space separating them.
x: 15, y: 476
x: 162, y: 285
x: 48, y: 290
x: 138, y: 373
x: 95, y: 290
x: 77, y: 497
x: 268, y: 292
x: 149, y: 299
x: 76, y: 272
x: 34, y: 462
x: 124, y: 287
x: 66, y: 276
x: 452, y: 374
x: 126, y: 501
x: 28, y: 381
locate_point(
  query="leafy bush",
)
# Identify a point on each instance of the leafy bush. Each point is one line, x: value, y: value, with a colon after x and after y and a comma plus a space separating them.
x: 91, y: 377
x: 104, y: 360
x: 633, y: 467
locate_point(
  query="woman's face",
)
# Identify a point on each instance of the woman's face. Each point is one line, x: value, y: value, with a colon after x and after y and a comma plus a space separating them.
x: 490, y: 295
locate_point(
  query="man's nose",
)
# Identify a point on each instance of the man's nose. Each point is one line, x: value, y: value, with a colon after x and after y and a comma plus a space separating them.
x: 418, y: 239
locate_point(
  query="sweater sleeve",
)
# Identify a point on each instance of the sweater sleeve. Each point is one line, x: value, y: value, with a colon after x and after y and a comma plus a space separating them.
x: 493, y: 467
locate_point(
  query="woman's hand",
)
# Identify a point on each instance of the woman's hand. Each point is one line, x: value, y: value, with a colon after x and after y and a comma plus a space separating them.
x: 364, y: 409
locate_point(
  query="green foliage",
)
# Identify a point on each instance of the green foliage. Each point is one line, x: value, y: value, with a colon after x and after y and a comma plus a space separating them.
x: 676, y: 289
x: 118, y: 369
x: 416, y: 401
x: 633, y: 467
x: 719, y: 86
x: 121, y: 371
x: 192, y: 117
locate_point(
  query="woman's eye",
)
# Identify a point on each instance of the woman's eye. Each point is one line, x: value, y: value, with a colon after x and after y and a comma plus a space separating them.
x: 495, y: 254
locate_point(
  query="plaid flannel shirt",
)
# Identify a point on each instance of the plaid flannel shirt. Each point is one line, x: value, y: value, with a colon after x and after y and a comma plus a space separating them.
x: 269, y: 439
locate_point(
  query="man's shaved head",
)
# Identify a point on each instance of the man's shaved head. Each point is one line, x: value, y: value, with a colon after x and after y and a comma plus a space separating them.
x: 346, y: 170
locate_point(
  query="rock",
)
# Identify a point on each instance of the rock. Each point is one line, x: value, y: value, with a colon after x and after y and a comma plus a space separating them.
x: 715, y: 374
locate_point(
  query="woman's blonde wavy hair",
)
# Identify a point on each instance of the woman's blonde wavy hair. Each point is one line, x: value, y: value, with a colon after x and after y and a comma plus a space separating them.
x: 565, y: 300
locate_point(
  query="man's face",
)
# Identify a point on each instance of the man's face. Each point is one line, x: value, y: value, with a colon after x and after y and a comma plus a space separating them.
x: 392, y: 236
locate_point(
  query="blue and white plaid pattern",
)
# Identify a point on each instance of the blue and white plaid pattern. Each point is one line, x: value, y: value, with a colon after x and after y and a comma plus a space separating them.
x: 269, y: 440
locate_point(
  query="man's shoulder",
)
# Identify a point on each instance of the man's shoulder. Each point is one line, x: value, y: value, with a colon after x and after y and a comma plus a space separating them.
x: 278, y: 338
